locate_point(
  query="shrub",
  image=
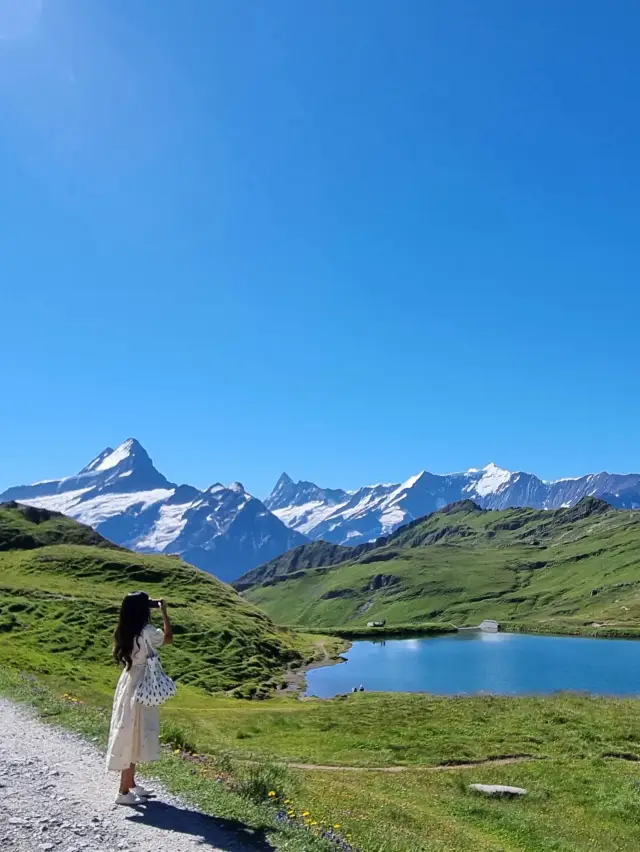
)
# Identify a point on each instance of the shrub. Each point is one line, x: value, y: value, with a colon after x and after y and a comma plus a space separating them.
x: 257, y: 780
x: 177, y: 737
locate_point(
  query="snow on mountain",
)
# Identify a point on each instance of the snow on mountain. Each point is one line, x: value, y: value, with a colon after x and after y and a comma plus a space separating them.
x: 93, y: 465
x: 492, y: 479
x: 121, y: 494
x: 106, y: 460
x: 170, y: 522
x: 95, y: 510
x: 354, y: 517
x: 303, y: 505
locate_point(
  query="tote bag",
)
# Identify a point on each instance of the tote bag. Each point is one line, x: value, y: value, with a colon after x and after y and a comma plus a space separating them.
x: 156, y: 686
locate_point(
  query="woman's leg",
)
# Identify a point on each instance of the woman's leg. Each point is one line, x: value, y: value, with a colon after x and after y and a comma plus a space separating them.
x: 127, y: 779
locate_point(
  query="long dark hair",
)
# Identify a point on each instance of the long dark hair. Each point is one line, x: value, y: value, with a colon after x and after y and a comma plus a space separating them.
x: 134, y: 616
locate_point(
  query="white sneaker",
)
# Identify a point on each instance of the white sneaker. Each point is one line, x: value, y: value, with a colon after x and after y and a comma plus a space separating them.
x: 129, y: 798
x: 141, y: 792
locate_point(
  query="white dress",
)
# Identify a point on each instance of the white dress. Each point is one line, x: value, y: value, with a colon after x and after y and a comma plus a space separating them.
x: 134, y: 736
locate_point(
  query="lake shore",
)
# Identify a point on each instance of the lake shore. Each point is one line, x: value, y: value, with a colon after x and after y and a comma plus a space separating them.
x: 430, y: 629
x: 297, y: 678
x: 423, y: 629
x: 593, y: 630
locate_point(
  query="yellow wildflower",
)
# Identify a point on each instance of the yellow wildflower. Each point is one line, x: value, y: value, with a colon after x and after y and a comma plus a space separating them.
x: 271, y: 793
x: 337, y: 825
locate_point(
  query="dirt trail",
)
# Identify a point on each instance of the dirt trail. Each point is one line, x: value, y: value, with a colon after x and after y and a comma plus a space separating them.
x: 507, y: 760
x: 444, y: 767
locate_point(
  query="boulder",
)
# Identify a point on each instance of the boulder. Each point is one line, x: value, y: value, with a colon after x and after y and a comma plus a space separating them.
x: 497, y: 790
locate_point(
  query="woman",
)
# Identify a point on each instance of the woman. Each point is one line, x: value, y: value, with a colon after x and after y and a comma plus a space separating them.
x: 134, y: 736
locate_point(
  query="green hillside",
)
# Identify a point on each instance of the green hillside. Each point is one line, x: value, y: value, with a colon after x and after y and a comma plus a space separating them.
x: 60, y: 589
x: 578, y: 566
x: 313, y: 555
x: 25, y: 528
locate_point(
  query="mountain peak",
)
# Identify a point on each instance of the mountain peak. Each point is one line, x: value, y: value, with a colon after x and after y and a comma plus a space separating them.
x: 492, y: 467
x: 127, y: 468
x: 131, y: 450
x: 461, y: 506
x: 284, y: 492
x: 413, y: 480
x: 238, y: 487
x: 491, y: 480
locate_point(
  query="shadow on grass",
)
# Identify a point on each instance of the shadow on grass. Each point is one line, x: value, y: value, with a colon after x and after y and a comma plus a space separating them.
x: 225, y: 835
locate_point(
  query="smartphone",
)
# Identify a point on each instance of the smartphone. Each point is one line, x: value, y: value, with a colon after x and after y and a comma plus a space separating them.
x: 154, y: 604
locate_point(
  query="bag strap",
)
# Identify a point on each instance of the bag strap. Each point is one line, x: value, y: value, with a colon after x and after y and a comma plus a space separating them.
x: 151, y: 651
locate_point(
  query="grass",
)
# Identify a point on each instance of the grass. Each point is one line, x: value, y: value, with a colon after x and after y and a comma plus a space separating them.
x: 563, y: 570
x: 571, y: 807
x: 381, y: 730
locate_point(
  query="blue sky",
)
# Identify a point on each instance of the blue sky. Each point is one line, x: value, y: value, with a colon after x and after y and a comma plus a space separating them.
x: 349, y: 240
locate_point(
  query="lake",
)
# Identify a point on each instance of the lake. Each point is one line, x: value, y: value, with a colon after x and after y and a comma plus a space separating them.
x: 472, y: 661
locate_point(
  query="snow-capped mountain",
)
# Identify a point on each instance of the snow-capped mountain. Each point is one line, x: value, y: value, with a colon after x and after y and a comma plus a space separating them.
x: 354, y: 517
x: 228, y: 532
x: 303, y: 505
x: 120, y: 494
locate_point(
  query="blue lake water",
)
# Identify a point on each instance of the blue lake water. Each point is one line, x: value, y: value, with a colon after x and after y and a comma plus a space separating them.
x: 471, y: 662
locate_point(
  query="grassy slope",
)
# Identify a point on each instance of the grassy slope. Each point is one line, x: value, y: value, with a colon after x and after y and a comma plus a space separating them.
x: 461, y: 565
x: 313, y: 555
x: 25, y: 528
x: 59, y: 605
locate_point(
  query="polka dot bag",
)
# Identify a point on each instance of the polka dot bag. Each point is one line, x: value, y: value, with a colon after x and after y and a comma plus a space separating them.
x: 156, y: 686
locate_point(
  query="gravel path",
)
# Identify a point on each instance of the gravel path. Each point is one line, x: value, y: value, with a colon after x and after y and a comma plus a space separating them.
x: 56, y: 797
